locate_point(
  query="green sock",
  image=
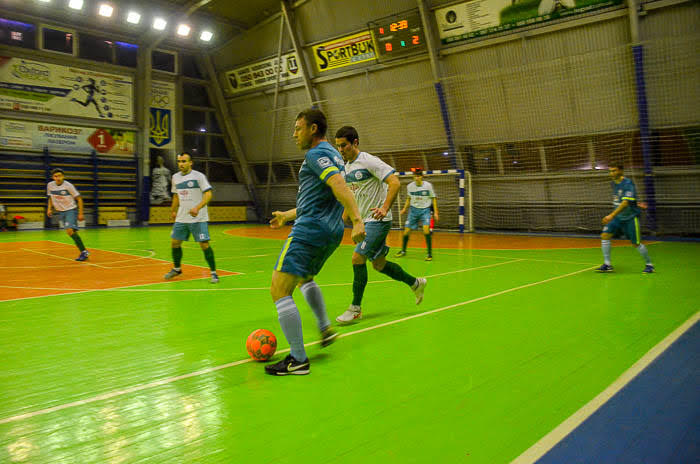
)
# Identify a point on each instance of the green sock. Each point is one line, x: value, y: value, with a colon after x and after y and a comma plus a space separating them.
x: 177, y: 257
x: 78, y: 241
x: 359, y: 283
x: 209, y: 256
x: 396, y: 272
x: 429, y: 242
x: 405, y: 242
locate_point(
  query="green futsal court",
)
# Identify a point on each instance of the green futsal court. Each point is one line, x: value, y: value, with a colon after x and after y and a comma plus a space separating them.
x: 506, y: 346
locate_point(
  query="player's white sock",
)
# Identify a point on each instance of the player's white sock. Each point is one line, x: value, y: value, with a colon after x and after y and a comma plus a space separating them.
x: 314, y: 297
x: 643, y: 251
x: 606, y: 245
x: 290, y: 321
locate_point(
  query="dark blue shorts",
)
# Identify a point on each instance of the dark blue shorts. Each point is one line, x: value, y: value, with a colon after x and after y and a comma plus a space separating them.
x: 303, y: 259
x: 69, y: 218
x: 629, y: 228
x: 374, y: 245
x: 417, y: 217
x: 199, y: 230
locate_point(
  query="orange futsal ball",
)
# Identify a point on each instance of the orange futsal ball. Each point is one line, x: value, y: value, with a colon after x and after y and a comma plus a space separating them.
x: 261, y: 344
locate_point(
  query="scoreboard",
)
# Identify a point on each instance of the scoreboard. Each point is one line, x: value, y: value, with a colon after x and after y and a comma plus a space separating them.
x: 399, y: 35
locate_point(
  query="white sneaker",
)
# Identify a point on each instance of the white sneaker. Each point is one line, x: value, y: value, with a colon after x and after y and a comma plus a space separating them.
x: 353, y: 312
x: 420, y: 288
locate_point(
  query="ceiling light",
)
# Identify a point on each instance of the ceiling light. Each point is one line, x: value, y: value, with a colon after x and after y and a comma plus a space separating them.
x: 183, y: 30
x: 45, y: 1
x: 206, y: 36
x: 106, y: 10
x: 159, y: 24
x: 133, y: 17
x: 76, y: 4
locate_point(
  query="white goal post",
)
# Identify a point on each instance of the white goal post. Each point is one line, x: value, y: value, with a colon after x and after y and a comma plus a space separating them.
x: 451, y: 187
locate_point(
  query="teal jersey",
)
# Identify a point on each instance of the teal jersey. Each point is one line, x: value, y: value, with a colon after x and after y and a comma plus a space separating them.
x: 319, y: 214
x: 626, y: 190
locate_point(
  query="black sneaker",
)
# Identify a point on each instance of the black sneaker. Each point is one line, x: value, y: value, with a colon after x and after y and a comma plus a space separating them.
x: 289, y: 366
x: 328, y: 336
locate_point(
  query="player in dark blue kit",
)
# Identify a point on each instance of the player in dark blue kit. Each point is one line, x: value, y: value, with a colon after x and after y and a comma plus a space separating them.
x: 317, y: 232
x: 623, y: 220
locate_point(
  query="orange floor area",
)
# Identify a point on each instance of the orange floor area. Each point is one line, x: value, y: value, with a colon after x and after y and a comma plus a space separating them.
x: 450, y: 240
x: 41, y: 268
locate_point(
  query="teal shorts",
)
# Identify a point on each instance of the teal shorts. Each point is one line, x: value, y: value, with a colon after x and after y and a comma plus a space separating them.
x: 199, y: 230
x: 629, y: 228
x: 374, y: 245
x: 69, y: 218
x: 303, y: 259
x: 417, y: 217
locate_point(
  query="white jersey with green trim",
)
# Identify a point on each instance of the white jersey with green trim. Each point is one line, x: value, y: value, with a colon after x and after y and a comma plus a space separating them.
x: 62, y: 196
x: 421, y: 197
x: 365, y: 176
x: 190, y: 190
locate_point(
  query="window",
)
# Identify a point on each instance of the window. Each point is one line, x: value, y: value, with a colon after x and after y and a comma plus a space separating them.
x: 222, y: 172
x: 17, y: 33
x: 126, y: 54
x: 190, y: 68
x: 95, y: 48
x: 58, y: 40
x: 194, y: 121
x: 218, y: 147
x: 194, y: 143
x: 195, y: 95
x: 163, y: 61
x: 214, y: 124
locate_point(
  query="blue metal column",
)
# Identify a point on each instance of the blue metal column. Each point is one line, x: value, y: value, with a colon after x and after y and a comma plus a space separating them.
x: 446, y: 123
x: 95, y: 188
x: 638, y: 52
x: 47, y: 171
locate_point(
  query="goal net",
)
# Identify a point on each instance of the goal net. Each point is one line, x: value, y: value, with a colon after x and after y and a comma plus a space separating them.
x: 452, y: 189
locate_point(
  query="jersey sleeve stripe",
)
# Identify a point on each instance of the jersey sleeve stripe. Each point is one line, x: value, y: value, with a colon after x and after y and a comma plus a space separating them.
x: 629, y: 198
x: 326, y: 173
x: 390, y: 173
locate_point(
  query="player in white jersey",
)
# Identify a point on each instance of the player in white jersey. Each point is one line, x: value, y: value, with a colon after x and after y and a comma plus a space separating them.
x: 421, y: 197
x: 375, y: 187
x: 191, y: 194
x: 66, y: 200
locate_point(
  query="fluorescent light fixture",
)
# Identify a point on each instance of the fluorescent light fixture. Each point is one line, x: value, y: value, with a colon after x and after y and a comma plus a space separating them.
x: 133, y: 17
x: 106, y: 10
x: 183, y: 30
x: 206, y: 36
x: 159, y: 24
x: 76, y: 4
x: 45, y: 1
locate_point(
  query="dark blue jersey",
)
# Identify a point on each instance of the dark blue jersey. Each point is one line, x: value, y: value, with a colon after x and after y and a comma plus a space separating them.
x: 319, y: 215
x: 625, y: 190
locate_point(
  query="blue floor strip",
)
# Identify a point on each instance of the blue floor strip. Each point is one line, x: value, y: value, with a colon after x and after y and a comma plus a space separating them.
x: 653, y: 419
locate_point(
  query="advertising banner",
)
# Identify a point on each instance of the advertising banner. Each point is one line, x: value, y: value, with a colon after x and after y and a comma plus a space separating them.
x: 346, y: 51
x: 36, y: 87
x: 478, y: 18
x: 24, y: 135
x: 262, y: 73
x: 162, y: 119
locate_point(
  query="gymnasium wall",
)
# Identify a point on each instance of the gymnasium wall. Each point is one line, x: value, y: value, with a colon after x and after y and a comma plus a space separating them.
x: 535, y: 114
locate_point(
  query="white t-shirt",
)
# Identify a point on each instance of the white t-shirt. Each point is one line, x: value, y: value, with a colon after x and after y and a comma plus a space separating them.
x: 421, y: 197
x: 190, y: 191
x: 365, y: 176
x: 62, y: 196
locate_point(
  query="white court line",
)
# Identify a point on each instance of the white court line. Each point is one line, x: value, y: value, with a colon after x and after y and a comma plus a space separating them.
x: 60, y: 257
x: 130, y: 288
x: 169, y: 380
x: 548, y: 442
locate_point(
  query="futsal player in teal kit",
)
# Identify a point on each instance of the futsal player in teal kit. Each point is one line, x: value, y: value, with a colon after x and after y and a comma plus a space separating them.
x: 317, y: 232
x: 623, y: 220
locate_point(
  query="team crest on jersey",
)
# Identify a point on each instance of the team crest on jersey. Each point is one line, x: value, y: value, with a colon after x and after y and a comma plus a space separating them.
x: 324, y: 162
x: 64, y: 192
x: 359, y: 175
x: 190, y: 184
